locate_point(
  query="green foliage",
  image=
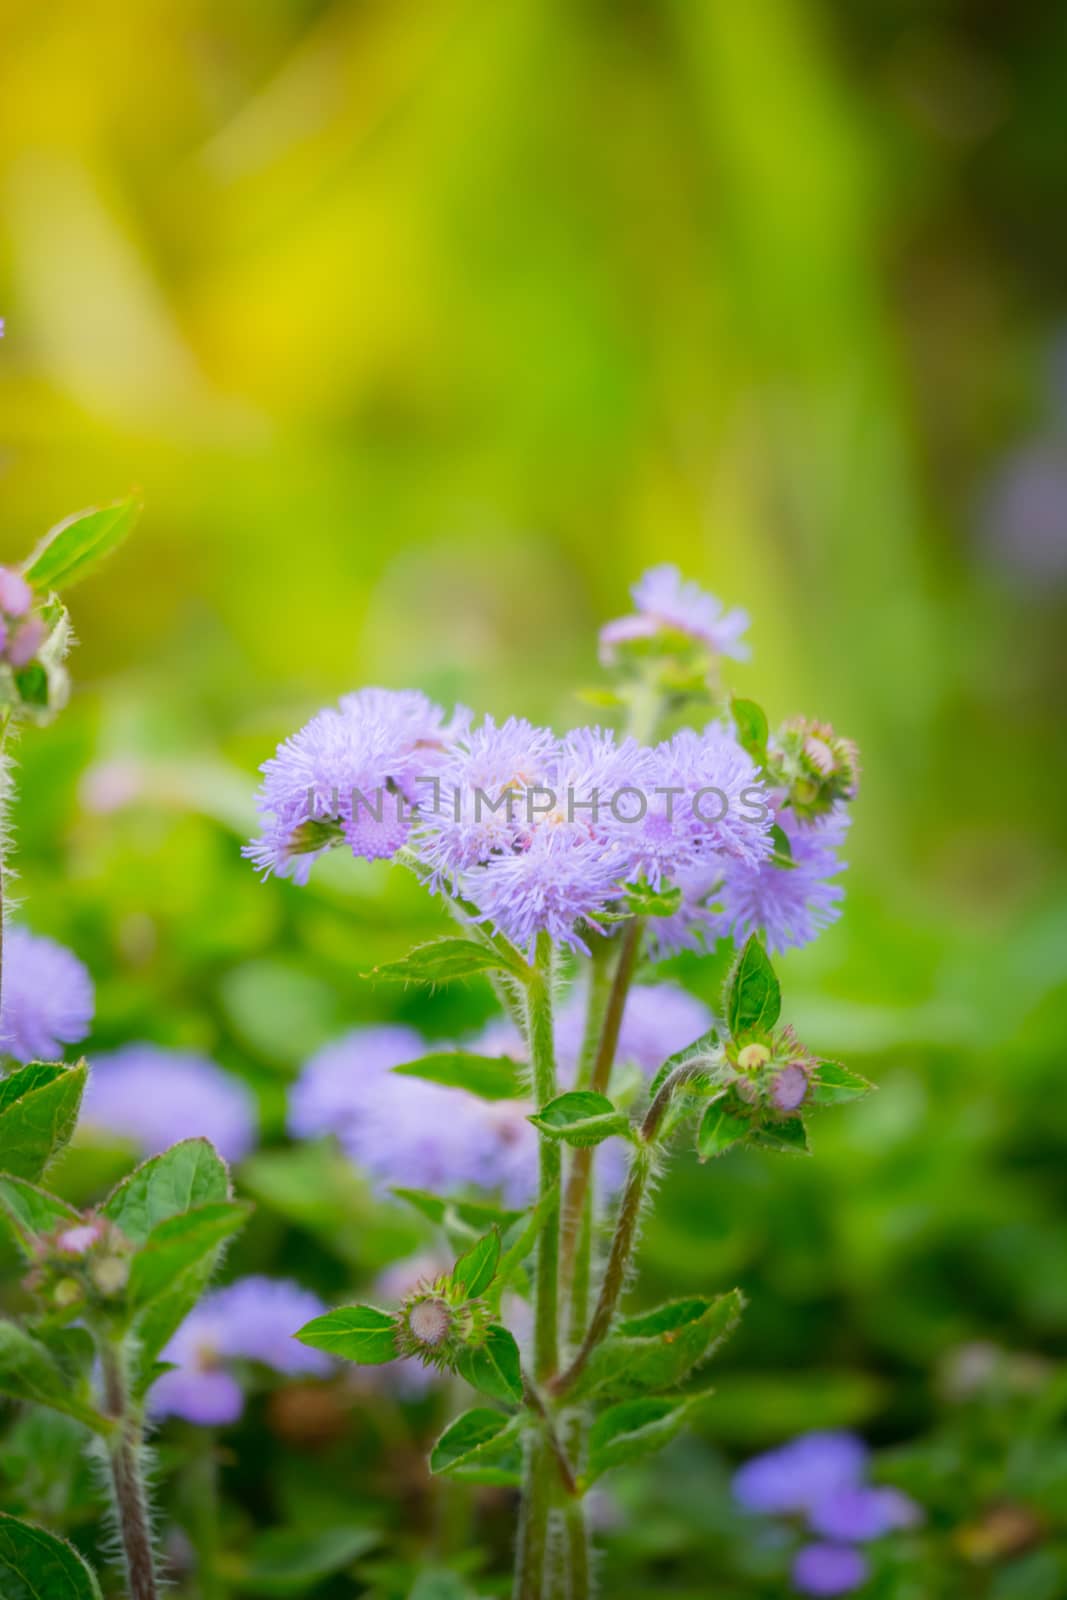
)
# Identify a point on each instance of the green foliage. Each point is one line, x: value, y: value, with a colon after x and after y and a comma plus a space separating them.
x: 178, y: 1245
x: 73, y: 549
x: 187, y: 1175
x: 753, y: 995
x: 357, y: 1333
x: 35, y: 1565
x: 493, y: 1366
x: 581, y: 1117
x: 30, y: 1211
x: 659, y: 1349
x: 750, y: 721
x: 490, y: 1077
x: 644, y: 901
x: 38, y: 1111
x: 721, y: 1127
x: 445, y: 961
x: 476, y: 1268
x: 481, y: 1446
x: 635, y: 1429
x: 30, y: 1372
x: 835, y: 1085
x: 288, y: 1561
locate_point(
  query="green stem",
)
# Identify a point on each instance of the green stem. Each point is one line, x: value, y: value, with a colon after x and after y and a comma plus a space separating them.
x: 124, y: 1450
x: 577, y: 1536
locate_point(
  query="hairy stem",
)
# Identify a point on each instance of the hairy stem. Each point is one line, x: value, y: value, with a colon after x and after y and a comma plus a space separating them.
x: 127, y: 1477
x: 532, y: 1554
x: 577, y: 1536
x: 574, y: 1204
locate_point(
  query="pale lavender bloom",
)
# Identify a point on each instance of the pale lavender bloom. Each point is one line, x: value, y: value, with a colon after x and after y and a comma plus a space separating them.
x: 351, y: 773
x: 254, y: 1319
x: 16, y: 596
x: 829, y: 1569
x: 157, y: 1097
x: 659, y: 1019
x: 1022, y: 521
x: 857, y: 1512
x: 408, y: 1376
x: 799, y: 1475
x: 554, y: 886
x: 789, y: 906
x: 667, y: 602
x: 47, y: 997
x: 401, y: 1131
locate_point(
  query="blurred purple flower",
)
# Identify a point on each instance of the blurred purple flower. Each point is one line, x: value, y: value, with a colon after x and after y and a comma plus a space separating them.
x: 254, y: 1319
x: 856, y: 1513
x: 666, y: 601
x: 828, y: 1569
x: 659, y: 1019
x: 789, y: 905
x: 156, y: 1097
x: 798, y: 1475
x: 1022, y: 519
x: 47, y: 997
x: 16, y: 596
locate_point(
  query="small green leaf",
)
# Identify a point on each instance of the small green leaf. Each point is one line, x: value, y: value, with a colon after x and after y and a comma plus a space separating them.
x: 445, y: 960
x: 493, y: 1367
x: 474, y: 1438
x: 581, y: 1117
x: 753, y: 995
x: 32, y: 1212
x: 439, y: 1583
x: 470, y: 1217
x: 720, y: 1129
x: 32, y: 684
x: 641, y: 900
x: 35, y: 1565
x: 38, y: 1112
x: 603, y: 699
x: 659, y: 1349
x: 633, y: 1430
x: 782, y: 855
x: 30, y: 1372
x: 476, y: 1268
x: 288, y: 1561
x: 832, y: 1085
x: 706, y: 1045
x: 789, y: 1137
x: 750, y: 721
x: 179, y: 1243
x: 189, y: 1174
x: 356, y: 1333
x: 70, y: 551
x: 489, y: 1077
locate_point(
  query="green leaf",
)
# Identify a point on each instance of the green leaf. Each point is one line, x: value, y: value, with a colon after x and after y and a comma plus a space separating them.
x: 659, y: 1349
x: 523, y: 1239
x: 489, y: 1077
x: 783, y: 851
x: 789, y: 1137
x: 32, y: 1212
x: 493, y: 1367
x: 753, y: 995
x: 473, y: 1439
x: 35, y: 1565
x: 38, y: 1112
x: 720, y: 1129
x: 641, y: 900
x: 439, y: 1583
x: 750, y: 721
x: 706, y: 1045
x: 189, y: 1174
x: 32, y: 684
x: 633, y: 1430
x: 179, y: 1243
x: 445, y: 960
x: 356, y: 1333
x: 832, y: 1085
x: 30, y: 1372
x: 70, y: 551
x: 286, y: 1561
x: 581, y: 1117
x: 476, y: 1268
x: 457, y: 1216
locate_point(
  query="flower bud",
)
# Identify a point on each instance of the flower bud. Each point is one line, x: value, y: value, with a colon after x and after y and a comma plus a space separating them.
x: 790, y: 1087
x: 752, y: 1056
x: 77, y: 1240
x: 16, y: 596
x: 67, y: 1293
x: 429, y: 1321
x: 110, y: 1274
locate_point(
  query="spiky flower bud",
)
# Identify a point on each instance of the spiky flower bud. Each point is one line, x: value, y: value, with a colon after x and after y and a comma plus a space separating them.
x: 815, y: 765
x: 436, y: 1321
x: 429, y: 1321
x: 110, y: 1275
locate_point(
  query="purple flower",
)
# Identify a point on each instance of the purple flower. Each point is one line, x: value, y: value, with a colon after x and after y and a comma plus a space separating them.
x: 157, y: 1097
x: 799, y: 1475
x: 401, y: 1131
x: 856, y: 1513
x: 554, y: 886
x: 667, y: 603
x: 47, y: 997
x: 351, y: 774
x: 16, y: 596
x: 789, y: 905
x: 828, y: 1569
x: 1022, y: 520
x: 254, y: 1319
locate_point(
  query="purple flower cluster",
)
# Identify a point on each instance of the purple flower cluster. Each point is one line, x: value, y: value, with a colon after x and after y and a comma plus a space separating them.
x: 21, y: 635
x: 406, y: 1132
x: 819, y: 1477
x: 254, y: 1319
x: 350, y: 773
x: 667, y: 603
x: 156, y: 1097
x: 47, y: 997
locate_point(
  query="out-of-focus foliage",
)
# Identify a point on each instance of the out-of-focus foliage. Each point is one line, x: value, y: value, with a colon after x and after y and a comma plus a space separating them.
x: 423, y: 328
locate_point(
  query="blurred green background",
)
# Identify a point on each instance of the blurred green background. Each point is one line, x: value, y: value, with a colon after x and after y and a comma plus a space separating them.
x: 424, y: 328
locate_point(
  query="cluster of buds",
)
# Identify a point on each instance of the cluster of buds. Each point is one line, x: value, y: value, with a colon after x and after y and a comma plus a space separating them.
x: 84, y: 1262
x: 436, y: 1322
x: 772, y: 1071
x: 22, y: 633
x: 814, y: 765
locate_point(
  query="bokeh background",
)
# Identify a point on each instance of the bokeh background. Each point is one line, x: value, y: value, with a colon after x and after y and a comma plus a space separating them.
x: 424, y: 328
